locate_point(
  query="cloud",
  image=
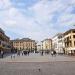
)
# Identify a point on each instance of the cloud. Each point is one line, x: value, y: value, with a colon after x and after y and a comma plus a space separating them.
x: 55, y: 12
x: 4, y: 4
x: 39, y: 21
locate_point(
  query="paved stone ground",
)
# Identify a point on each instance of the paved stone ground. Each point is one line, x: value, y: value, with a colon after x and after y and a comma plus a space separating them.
x: 37, y: 58
x: 38, y: 68
x: 35, y: 64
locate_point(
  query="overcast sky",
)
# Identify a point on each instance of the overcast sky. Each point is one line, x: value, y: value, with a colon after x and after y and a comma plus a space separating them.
x: 36, y: 19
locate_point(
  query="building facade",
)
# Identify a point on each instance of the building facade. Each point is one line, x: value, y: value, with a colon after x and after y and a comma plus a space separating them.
x: 46, y: 45
x: 69, y: 41
x: 4, y: 42
x: 58, y: 43
x: 24, y: 44
x: 38, y: 48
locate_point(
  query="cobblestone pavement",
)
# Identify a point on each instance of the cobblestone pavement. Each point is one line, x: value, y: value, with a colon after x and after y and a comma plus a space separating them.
x: 38, y: 68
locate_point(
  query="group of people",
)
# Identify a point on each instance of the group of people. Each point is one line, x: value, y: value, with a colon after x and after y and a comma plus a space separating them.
x: 20, y: 53
x: 23, y: 53
x: 53, y: 53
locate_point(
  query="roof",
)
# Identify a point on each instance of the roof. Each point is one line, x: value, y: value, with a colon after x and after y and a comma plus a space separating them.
x: 58, y: 34
x: 46, y: 40
x: 23, y: 39
x: 1, y: 31
x: 68, y: 31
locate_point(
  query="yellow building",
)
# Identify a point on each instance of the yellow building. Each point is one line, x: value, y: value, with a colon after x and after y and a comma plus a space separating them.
x: 24, y: 44
x: 4, y: 42
x: 69, y: 41
x: 46, y: 45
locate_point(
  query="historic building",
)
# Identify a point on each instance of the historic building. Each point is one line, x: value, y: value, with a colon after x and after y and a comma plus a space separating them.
x: 38, y: 48
x: 69, y: 40
x: 58, y: 43
x: 24, y: 44
x: 46, y: 45
x: 4, y: 42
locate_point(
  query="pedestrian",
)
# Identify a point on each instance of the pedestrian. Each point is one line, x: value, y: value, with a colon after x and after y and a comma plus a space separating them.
x: 52, y: 53
x: 18, y: 53
x: 2, y: 53
x: 28, y: 53
x: 22, y: 53
x: 11, y: 56
x: 42, y: 53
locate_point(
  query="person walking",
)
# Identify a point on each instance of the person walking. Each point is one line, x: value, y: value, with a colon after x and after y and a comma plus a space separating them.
x: 2, y: 53
x: 42, y: 53
x: 18, y: 53
x: 22, y: 53
x: 28, y: 53
x: 52, y: 53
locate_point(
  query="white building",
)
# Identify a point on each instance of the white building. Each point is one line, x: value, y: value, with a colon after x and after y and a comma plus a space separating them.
x: 38, y: 48
x: 58, y: 43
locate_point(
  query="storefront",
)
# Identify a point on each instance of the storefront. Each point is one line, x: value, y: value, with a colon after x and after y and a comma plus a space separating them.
x: 71, y: 51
